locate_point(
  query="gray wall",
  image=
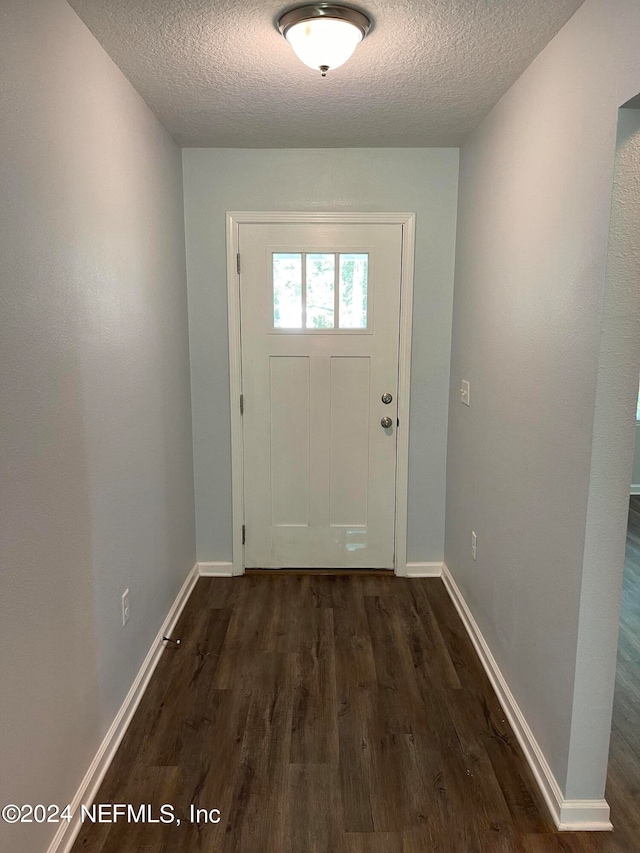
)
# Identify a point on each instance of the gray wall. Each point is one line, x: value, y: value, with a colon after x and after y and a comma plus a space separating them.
x: 614, y: 431
x: 96, y: 486
x: 534, y: 204
x: 220, y: 180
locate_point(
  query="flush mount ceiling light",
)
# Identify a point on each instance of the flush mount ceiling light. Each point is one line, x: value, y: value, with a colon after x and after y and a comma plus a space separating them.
x: 324, y: 36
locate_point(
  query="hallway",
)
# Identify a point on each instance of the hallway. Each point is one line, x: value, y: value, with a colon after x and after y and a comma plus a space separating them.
x: 623, y: 781
x: 342, y: 714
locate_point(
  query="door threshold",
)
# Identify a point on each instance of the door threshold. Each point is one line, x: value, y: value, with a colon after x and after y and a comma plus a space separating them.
x: 378, y: 572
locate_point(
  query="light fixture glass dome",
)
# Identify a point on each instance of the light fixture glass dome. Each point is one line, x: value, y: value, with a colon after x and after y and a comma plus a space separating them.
x: 324, y: 36
x: 324, y: 42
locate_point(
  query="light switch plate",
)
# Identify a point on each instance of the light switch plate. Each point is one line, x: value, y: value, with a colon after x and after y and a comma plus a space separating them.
x: 465, y: 393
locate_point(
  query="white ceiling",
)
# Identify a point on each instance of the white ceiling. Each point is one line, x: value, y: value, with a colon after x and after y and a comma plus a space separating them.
x: 217, y: 73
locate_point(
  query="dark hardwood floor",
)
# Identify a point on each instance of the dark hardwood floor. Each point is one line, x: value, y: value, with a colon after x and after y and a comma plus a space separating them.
x: 343, y: 714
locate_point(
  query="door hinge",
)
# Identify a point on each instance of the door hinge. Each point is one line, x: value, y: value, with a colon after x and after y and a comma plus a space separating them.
x: 244, y: 534
x: 238, y: 262
x: 242, y: 404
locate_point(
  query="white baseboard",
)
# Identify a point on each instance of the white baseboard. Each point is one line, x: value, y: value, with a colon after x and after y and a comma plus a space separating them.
x: 67, y: 832
x: 571, y: 815
x: 635, y: 489
x: 584, y: 816
x: 215, y: 570
x: 422, y: 570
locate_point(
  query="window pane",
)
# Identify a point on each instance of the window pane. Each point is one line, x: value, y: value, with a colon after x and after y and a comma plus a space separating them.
x: 287, y: 291
x: 353, y: 291
x: 320, y: 290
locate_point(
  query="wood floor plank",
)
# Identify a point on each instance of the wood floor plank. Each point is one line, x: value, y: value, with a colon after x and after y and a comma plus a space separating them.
x: 573, y: 842
x: 461, y: 652
x: 132, y: 786
x: 286, y: 628
x: 401, y: 708
x: 355, y: 710
x: 623, y: 792
x: 314, y: 818
x: 371, y: 842
x: 422, y: 763
x: 454, y: 783
x: 387, y: 781
x: 320, y: 587
x: 209, y: 780
x: 423, y: 840
x: 314, y: 733
x: 355, y: 663
x: 187, y: 699
x: 345, y: 714
x: 488, y: 739
x: 527, y: 807
x: 257, y: 816
x: 223, y: 593
x: 483, y: 790
x: 430, y: 655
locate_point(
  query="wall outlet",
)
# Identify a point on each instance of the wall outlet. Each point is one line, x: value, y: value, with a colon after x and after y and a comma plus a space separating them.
x: 126, y: 609
x: 474, y: 545
x: 465, y: 392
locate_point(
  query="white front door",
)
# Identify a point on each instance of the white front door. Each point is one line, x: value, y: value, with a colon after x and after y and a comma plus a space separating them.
x: 320, y: 310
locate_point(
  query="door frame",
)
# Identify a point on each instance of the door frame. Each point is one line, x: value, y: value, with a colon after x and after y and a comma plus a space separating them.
x: 407, y: 221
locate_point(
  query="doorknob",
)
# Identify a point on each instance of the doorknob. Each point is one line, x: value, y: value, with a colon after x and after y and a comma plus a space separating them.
x: 386, y: 423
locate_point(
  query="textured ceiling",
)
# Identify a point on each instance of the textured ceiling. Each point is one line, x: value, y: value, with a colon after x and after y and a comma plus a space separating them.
x: 217, y: 73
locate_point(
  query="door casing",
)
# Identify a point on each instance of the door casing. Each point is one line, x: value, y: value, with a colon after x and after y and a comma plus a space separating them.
x: 407, y: 221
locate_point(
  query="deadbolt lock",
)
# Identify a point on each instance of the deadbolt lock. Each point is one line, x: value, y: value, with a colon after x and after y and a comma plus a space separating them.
x: 387, y: 398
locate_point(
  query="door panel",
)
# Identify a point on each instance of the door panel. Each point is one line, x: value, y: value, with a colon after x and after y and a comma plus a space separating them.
x: 319, y: 326
x: 349, y: 441
x: 290, y: 440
